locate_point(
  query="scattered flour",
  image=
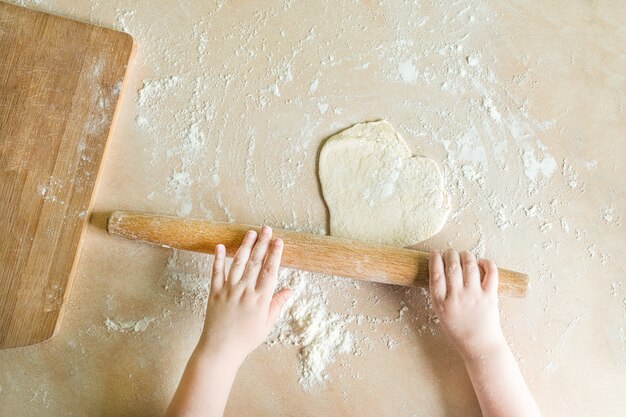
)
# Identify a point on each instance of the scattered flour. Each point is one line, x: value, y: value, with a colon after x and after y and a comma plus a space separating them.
x: 28, y: 2
x: 52, y: 190
x: 128, y: 326
x: 570, y: 175
x: 608, y: 214
x: 150, y: 99
x: 408, y: 72
x: 187, y: 275
x: 307, y: 323
x: 197, y: 116
x: 536, y: 167
x: 496, y: 135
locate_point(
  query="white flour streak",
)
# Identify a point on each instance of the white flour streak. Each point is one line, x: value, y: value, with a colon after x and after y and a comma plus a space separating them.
x: 127, y: 326
x: 151, y: 100
x: 408, y: 72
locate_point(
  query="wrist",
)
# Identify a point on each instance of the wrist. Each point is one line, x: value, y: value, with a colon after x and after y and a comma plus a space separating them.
x: 218, y: 356
x: 478, y: 351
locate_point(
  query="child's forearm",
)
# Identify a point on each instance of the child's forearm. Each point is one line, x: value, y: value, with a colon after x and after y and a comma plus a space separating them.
x: 204, y: 386
x: 499, y: 384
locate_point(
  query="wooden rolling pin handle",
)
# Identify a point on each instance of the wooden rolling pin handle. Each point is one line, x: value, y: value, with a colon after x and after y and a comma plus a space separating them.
x: 309, y: 252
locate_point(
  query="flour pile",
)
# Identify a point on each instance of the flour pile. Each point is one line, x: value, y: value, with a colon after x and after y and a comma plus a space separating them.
x: 307, y: 323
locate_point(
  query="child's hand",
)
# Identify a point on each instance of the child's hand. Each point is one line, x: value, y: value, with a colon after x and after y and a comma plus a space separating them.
x: 242, y: 306
x: 241, y: 310
x: 466, y: 305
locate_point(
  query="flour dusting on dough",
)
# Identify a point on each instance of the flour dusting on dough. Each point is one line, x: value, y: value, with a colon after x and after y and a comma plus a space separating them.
x: 376, y: 191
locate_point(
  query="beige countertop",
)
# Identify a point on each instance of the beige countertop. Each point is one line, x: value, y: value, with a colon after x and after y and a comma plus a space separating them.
x: 227, y: 103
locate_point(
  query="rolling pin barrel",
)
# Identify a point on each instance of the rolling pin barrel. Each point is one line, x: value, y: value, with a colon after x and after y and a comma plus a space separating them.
x: 309, y: 252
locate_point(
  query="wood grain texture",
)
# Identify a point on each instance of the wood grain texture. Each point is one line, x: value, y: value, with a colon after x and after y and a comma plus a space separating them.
x: 60, y: 81
x: 314, y: 253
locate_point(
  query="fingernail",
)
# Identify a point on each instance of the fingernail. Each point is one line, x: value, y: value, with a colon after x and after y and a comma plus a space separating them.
x: 278, y: 243
x: 266, y: 230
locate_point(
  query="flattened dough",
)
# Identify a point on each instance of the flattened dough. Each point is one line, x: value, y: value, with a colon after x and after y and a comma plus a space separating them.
x: 376, y: 191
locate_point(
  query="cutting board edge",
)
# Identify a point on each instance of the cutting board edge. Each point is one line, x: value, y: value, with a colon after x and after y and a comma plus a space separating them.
x: 73, y: 19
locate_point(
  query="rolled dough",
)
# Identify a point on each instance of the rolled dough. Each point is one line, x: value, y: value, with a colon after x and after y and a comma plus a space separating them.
x: 376, y: 191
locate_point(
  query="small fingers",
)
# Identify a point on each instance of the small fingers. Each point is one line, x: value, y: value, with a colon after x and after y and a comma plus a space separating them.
x: 269, y: 274
x: 255, y: 263
x: 217, y: 278
x: 241, y: 258
x: 471, y: 274
x: 490, y: 280
x: 454, y: 277
x: 437, y: 281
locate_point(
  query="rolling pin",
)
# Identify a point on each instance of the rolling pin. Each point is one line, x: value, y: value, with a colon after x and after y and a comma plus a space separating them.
x: 309, y: 252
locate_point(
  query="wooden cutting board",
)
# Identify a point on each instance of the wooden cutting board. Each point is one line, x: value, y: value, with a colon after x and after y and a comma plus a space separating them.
x: 60, y: 81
